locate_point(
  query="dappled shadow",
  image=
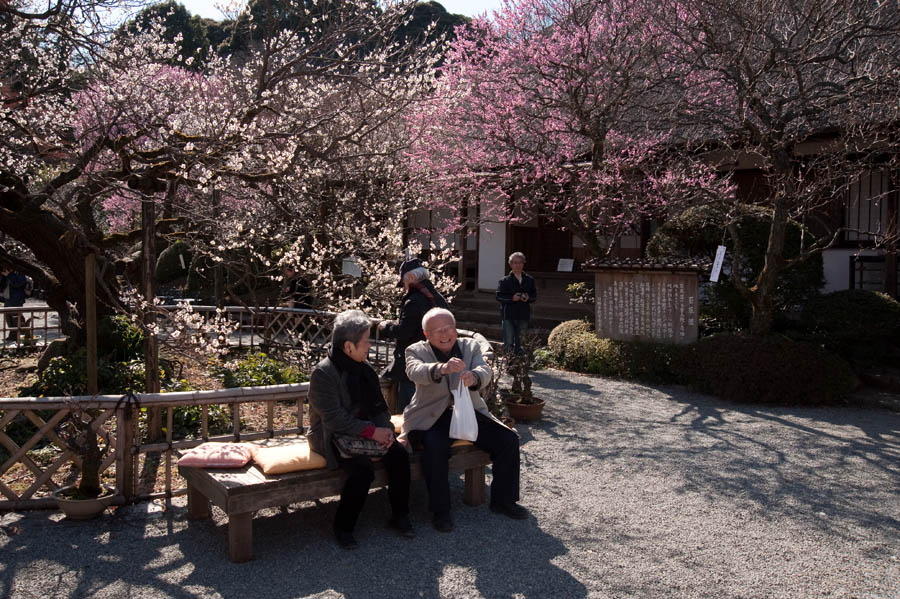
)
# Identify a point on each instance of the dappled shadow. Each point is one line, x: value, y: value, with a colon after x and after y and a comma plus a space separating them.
x: 797, y: 462
x: 295, y: 556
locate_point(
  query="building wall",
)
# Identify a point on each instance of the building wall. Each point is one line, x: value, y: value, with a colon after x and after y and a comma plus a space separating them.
x: 491, y: 255
x: 836, y: 264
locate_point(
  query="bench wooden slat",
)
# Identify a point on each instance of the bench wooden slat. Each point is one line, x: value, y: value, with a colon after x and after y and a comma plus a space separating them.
x: 240, y: 492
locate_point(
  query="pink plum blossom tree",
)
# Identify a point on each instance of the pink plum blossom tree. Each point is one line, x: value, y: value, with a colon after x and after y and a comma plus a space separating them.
x: 552, y: 107
x: 805, y: 96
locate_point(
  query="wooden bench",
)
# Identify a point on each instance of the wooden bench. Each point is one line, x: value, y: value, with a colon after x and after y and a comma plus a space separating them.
x: 240, y: 492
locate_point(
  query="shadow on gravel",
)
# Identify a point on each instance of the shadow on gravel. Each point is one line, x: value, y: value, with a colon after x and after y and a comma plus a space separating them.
x: 295, y: 556
x: 802, y: 463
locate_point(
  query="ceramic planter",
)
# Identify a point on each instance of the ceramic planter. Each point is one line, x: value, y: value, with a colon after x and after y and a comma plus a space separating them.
x: 83, y: 509
x: 525, y: 412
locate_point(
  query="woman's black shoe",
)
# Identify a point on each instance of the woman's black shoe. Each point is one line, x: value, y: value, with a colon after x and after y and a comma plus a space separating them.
x: 510, y: 510
x: 403, y: 526
x: 345, y: 539
x: 442, y: 522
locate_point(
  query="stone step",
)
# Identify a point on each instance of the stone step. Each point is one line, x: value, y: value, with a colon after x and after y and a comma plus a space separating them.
x: 483, y: 307
x: 539, y: 318
x: 494, y: 333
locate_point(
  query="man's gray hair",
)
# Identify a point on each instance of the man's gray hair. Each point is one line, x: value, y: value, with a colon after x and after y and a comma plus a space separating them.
x: 421, y: 273
x: 515, y: 255
x: 436, y: 312
x: 349, y: 325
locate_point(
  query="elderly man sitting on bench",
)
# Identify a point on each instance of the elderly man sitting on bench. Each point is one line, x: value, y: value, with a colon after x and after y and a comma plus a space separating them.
x: 436, y: 366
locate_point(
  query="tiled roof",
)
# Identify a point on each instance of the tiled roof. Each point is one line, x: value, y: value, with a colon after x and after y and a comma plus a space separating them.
x: 688, y: 264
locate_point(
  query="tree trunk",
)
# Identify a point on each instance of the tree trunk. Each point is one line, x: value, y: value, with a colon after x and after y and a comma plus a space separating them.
x: 61, y: 249
x: 761, y: 294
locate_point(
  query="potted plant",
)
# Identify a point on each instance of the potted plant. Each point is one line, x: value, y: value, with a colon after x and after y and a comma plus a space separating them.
x: 89, y: 497
x: 520, y: 402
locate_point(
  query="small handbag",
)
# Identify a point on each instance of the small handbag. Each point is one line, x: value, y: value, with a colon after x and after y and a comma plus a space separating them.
x: 352, y: 445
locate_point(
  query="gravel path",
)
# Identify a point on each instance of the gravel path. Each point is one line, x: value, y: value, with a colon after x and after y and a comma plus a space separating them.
x: 634, y: 492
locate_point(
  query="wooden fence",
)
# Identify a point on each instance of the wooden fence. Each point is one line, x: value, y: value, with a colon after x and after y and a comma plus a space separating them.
x: 250, y: 328
x: 33, y: 467
x: 118, y: 421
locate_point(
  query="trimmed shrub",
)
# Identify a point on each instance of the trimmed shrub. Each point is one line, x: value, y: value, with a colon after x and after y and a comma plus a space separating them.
x: 861, y: 326
x: 640, y: 360
x: 650, y: 362
x: 766, y: 370
x: 561, y: 334
x: 585, y: 352
x: 259, y: 369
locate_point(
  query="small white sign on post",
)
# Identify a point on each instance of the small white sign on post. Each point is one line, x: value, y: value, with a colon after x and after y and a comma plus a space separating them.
x: 717, y: 264
x: 565, y: 265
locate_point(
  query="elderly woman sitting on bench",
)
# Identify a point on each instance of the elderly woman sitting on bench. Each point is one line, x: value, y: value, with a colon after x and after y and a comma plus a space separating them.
x: 345, y: 397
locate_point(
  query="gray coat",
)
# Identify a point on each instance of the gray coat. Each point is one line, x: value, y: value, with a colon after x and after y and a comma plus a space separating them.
x: 432, y: 396
x: 331, y: 410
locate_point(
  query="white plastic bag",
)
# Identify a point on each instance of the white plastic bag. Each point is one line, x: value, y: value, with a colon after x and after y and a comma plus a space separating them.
x: 463, y: 424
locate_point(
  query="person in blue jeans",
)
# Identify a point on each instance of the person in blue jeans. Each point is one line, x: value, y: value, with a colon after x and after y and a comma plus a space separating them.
x: 515, y: 292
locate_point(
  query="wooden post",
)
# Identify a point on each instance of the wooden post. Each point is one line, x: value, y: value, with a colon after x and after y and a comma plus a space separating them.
x: 218, y: 274
x: 125, y: 460
x: 90, y: 320
x: 151, y: 349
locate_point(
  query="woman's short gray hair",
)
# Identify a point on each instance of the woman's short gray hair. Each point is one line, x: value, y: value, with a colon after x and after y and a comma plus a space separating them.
x: 436, y: 312
x: 421, y: 273
x: 349, y: 325
x: 515, y: 255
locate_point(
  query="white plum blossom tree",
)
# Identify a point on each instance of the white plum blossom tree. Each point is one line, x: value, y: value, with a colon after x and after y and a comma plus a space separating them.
x: 284, y: 152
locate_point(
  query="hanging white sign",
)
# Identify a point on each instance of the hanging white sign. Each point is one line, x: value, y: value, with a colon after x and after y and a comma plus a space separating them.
x: 717, y: 264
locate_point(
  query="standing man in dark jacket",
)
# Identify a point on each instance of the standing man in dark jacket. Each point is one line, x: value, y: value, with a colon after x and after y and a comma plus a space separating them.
x: 15, y: 298
x: 515, y: 292
x: 345, y: 397
x: 420, y: 297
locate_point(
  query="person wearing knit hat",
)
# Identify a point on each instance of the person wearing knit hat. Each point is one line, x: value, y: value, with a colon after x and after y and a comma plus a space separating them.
x: 420, y: 297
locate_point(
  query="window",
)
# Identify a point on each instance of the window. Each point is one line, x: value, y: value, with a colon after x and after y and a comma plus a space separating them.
x: 866, y: 207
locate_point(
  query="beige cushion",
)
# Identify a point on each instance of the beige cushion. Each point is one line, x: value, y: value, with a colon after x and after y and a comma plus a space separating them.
x: 291, y: 457
x: 217, y: 455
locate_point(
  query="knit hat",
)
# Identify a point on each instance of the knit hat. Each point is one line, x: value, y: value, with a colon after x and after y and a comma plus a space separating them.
x: 407, y: 266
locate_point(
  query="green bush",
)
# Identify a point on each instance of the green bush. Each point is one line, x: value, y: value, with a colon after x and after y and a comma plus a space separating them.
x: 187, y: 421
x: 585, y: 352
x: 766, y: 370
x: 118, y: 339
x: 561, y: 334
x: 258, y: 369
x: 861, y: 326
x: 638, y: 360
x: 168, y: 265
x: 650, y: 362
x: 67, y: 375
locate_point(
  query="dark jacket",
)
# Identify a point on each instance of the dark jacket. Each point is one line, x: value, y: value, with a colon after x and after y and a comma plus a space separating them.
x: 16, y: 282
x: 331, y: 410
x: 507, y: 288
x: 408, y: 328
